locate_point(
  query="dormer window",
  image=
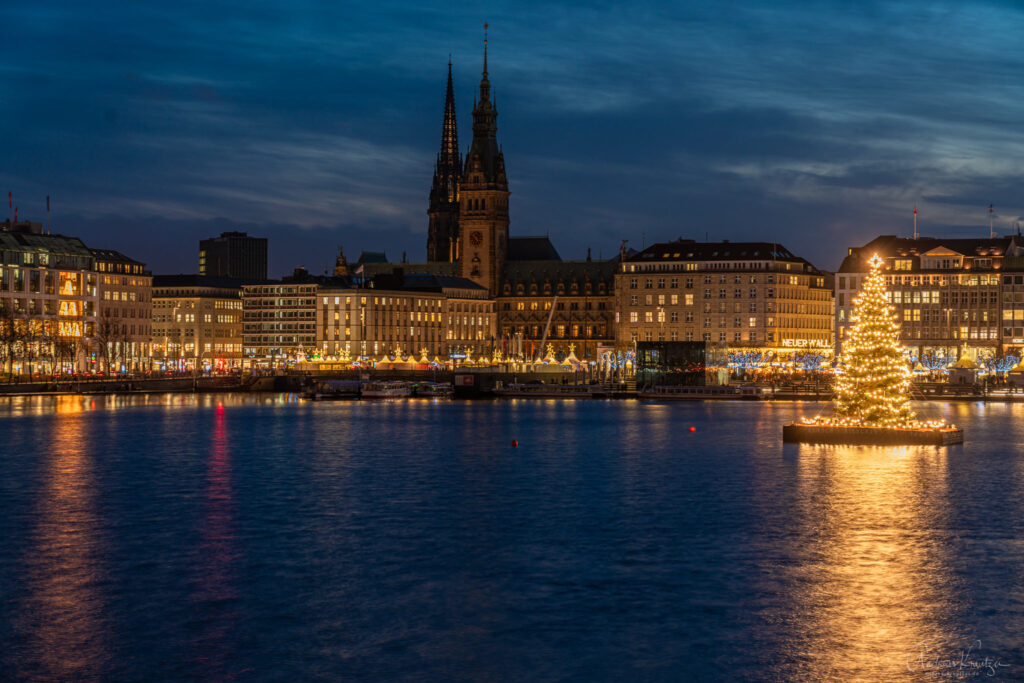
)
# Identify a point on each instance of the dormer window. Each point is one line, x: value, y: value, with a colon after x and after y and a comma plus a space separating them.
x: 903, y: 264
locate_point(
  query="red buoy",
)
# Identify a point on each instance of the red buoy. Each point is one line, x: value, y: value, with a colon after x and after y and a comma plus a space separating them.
x: 693, y: 429
x: 515, y: 444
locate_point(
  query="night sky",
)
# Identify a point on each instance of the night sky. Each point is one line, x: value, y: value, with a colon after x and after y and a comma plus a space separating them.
x: 315, y: 124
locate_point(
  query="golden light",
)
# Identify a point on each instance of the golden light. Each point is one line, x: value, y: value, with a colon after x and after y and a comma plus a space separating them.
x: 873, y: 378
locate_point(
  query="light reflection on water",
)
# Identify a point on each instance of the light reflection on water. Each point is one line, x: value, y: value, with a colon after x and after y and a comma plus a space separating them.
x: 876, y: 583
x: 233, y: 536
x: 62, y: 606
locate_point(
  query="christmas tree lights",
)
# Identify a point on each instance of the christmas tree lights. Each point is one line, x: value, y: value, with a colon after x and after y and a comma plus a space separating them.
x: 873, y: 379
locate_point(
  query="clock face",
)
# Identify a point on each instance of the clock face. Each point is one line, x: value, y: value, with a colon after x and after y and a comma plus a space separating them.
x: 476, y: 237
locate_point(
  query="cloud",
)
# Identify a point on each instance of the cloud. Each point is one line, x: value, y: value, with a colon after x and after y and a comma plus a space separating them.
x: 811, y: 123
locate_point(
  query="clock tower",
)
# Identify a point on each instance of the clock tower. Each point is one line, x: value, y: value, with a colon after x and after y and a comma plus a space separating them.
x: 483, y: 196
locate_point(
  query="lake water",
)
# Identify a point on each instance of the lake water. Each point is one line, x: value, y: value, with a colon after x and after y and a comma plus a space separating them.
x: 261, y: 538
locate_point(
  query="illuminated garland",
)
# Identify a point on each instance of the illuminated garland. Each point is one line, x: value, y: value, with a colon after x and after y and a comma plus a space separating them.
x: 873, y: 378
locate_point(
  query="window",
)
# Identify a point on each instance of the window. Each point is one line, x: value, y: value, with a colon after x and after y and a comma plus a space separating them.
x: 632, y: 283
x: 675, y: 299
x: 634, y: 317
x: 689, y: 299
x: 632, y: 300
x: 661, y: 283
x: 648, y: 316
x: 648, y: 283
x: 674, y: 317
x: 752, y: 322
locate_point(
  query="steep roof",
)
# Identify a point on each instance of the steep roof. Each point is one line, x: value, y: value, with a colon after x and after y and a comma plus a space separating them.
x: 531, y: 249
x: 57, y: 244
x: 888, y: 246
x: 528, y: 272
x: 372, y: 257
x: 113, y: 256
x: 690, y: 250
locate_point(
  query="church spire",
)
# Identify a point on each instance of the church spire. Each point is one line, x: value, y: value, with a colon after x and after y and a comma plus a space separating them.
x: 485, y: 85
x: 443, y: 232
x: 449, y: 132
x: 485, y: 119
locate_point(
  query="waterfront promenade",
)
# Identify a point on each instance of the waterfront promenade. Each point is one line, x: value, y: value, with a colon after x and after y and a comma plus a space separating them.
x: 482, y: 384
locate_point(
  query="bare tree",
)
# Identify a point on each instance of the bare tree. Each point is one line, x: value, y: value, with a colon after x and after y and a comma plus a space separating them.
x: 8, y: 337
x: 106, y: 332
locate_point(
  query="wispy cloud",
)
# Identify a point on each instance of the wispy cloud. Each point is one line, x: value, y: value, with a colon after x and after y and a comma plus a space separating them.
x: 751, y: 119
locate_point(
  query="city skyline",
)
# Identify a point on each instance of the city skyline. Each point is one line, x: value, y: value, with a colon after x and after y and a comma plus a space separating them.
x: 320, y: 127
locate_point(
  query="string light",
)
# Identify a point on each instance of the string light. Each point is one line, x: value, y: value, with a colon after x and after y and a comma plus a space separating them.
x: 873, y: 377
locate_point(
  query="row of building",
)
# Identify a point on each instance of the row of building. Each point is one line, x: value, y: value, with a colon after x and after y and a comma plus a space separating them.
x: 482, y: 291
x: 65, y: 304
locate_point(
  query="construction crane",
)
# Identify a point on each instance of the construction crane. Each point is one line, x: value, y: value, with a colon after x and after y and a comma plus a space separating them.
x: 547, y: 328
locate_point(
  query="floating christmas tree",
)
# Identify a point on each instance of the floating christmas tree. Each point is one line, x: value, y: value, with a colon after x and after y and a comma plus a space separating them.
x: 873, y: 380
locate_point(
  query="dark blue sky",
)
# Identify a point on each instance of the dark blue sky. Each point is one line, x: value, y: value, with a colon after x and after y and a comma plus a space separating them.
x: 315, y: 124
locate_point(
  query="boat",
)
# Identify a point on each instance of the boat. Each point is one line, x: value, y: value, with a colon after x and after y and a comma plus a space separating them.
x: 548, y: 390
x: 698, y: 393
x: 433, y: 390
x: 392, y: 389
x: 332, y: 390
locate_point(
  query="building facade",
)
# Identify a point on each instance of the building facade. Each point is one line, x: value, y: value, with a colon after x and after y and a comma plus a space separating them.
x: 545, y: 301
x: 443, y: 317
x: 279, y: 321
x: 48, y: 301
x: 58, y: 309
x: 197, y: 323
x: 234, y: 255
x: 955, y: 297
x: 124, y: 314
x: 752, y: 296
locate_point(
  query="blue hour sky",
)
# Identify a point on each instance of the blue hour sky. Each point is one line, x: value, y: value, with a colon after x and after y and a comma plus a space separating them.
x: 315, y: 124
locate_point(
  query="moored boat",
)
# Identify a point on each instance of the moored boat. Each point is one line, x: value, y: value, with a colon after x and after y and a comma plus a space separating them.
x: 332, y: 390
x: 548, y: 390
x: 697, y: 393
x: 433, y: 390
x: 389, y: 389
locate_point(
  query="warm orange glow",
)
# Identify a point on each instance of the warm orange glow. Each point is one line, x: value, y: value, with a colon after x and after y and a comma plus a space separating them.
x: 62, y: 607
x: 873, y: 577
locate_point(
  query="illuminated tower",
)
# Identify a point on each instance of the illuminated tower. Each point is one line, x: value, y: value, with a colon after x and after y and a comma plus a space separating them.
x: 443, y: 231
x: 483, y: 196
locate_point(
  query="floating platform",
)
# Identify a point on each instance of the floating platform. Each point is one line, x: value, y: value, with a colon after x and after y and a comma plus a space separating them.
x: 871, y: 436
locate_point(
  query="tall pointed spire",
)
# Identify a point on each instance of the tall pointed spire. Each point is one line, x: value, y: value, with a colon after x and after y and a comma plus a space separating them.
x: 485, y: 85
x: 443, y: 232
x: 485, y: 120
x: 449, y: 133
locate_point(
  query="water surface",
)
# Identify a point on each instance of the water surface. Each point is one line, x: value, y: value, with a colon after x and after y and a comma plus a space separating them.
x: 262, y: 538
